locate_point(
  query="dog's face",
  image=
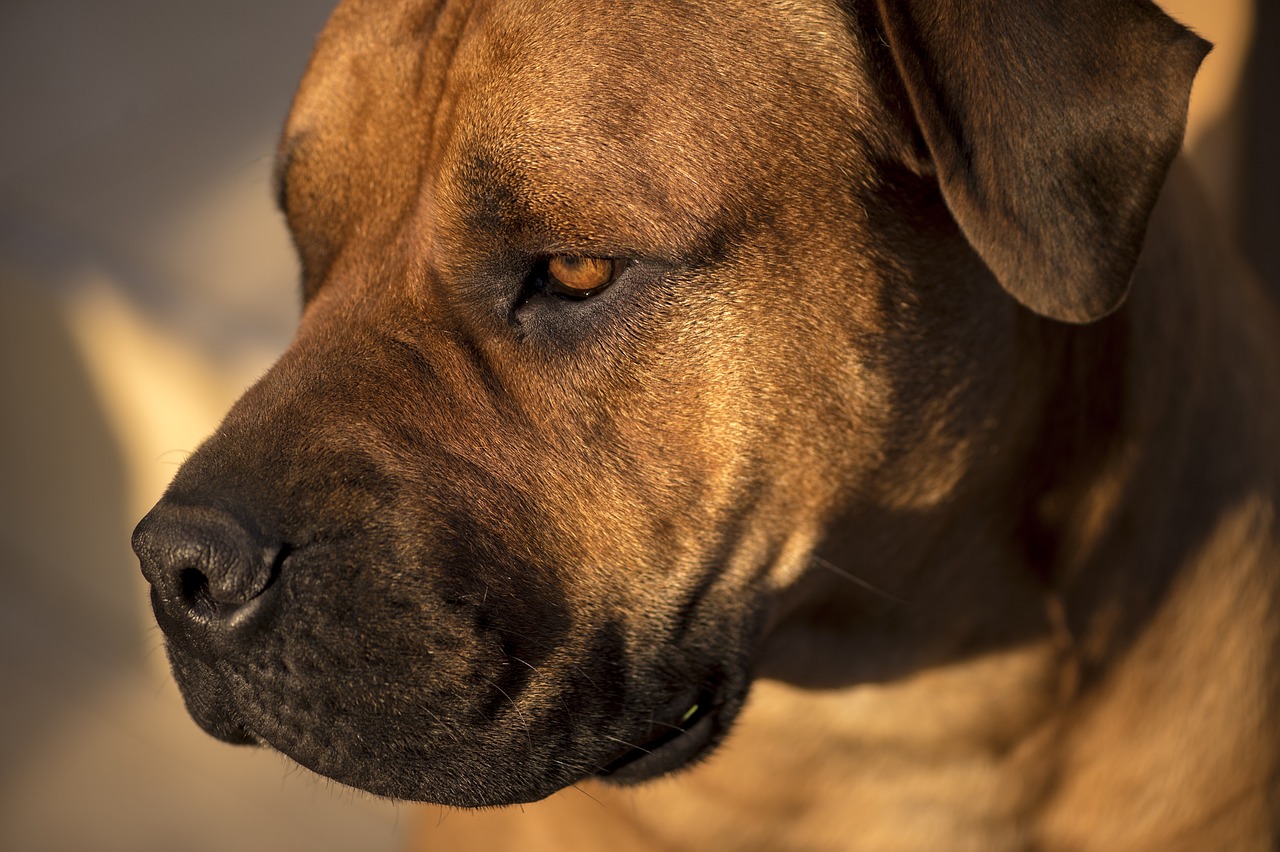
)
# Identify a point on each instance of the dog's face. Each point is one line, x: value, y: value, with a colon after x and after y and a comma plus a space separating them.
x: 608, y: 316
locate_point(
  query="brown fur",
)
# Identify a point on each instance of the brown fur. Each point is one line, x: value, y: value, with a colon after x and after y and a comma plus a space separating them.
x: 1002, y: 582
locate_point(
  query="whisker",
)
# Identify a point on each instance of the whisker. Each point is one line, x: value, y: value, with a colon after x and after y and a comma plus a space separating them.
x: 446, y: 727
x: 660, y: 724
x: 528, y: 729
x: 627, y: 744
x: 589, y: 796
x: 577, y: 668
x: 856, y: 580
x: 568, y: 711
x: 522, y: 662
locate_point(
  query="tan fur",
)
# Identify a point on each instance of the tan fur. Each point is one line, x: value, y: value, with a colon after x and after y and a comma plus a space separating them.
x: 1021, y: 576
x: 1170, y: 741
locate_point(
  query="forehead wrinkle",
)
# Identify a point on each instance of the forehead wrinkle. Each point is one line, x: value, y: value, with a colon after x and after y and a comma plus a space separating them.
x: 558, y: 164
x: 492, y: 193
x: 589, y: 155
x: 536, y: 195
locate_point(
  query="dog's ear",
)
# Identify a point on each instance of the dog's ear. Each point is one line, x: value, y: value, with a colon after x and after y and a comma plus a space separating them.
x: 1051, y: 125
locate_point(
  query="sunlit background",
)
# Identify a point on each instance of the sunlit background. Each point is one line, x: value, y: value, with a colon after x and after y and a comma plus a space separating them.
x: 145, y: 281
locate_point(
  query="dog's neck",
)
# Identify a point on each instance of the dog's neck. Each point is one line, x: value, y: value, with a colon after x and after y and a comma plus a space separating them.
x: 1162, y: 419
x: 1183, y: 619
x: 1102, y: 650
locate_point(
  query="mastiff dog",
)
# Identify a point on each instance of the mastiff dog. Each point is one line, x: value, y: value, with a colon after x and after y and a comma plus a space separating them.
x: 845, y: 407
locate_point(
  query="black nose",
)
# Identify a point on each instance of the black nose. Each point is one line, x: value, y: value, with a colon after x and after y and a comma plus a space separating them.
x: 203, y: 566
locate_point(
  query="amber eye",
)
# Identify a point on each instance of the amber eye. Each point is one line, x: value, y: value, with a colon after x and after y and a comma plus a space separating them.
x: 579, y: 277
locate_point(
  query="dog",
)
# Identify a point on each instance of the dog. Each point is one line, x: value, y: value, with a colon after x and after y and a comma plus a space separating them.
x: 845, y: 408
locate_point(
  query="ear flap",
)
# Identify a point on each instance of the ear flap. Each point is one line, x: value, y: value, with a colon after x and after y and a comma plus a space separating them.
x: 1051, y: 125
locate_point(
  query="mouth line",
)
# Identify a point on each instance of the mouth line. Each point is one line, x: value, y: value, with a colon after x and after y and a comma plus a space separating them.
x: 661, y: 735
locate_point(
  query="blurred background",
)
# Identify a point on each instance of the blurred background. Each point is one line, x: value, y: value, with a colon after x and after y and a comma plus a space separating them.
x: 145, y: 281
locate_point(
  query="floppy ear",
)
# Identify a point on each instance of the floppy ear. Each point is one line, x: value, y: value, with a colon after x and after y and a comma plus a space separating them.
x: 1051, y: 125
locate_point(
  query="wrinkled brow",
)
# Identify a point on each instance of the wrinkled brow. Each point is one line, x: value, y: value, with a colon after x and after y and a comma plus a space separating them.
x: 495, y: 198
x: 493, y: 195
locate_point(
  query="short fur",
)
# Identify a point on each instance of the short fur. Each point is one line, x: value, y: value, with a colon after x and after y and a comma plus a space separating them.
x: 862, y: 432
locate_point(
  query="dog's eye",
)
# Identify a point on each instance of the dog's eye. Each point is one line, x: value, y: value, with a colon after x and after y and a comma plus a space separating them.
x: 578, y: 277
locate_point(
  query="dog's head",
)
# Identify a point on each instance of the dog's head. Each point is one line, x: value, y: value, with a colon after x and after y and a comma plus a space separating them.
x: 610, y: 312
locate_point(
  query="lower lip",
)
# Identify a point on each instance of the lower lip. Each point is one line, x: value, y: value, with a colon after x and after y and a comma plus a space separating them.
x: 669, y: 752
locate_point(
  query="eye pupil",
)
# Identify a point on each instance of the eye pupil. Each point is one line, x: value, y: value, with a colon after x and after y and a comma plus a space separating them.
x: 575, y: 275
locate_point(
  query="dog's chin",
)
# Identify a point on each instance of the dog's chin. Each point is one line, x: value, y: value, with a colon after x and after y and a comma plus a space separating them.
x: 649, y: 760
x: 483, y: 774
x: 470, y: 784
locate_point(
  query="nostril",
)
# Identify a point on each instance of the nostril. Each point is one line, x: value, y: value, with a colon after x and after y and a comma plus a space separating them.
x: 202, y: 564
x: 193, y: 586
x: 230, y: 579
